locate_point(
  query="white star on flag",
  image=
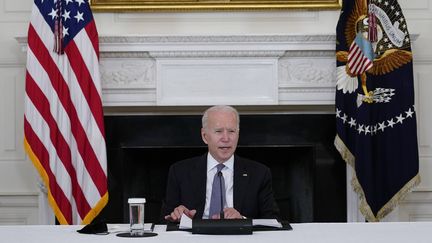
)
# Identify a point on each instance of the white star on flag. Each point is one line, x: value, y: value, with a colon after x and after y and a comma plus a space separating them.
x: 352, y: 122
x: 360, y: 129
x: 400, y: 119
x: 391, y: 123
x: 66, y: 15
x: 79, y: 16
x: 382, y: 126
x: 409, y: 113
x: 53, y: 14
x: 344, y: 118
x: 65, y: 31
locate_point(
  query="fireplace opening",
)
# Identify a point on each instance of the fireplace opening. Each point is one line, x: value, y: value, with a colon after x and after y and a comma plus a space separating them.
x: 308, y: 175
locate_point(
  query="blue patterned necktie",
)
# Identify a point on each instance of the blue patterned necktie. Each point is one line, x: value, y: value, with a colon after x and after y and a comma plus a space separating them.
x: 218, y: 192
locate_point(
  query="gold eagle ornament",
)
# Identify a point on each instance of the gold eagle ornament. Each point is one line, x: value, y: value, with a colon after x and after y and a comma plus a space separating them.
x: 390, y: 53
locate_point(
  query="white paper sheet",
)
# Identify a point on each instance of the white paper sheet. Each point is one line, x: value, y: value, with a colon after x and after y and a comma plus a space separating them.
x: 185, y: 222
x: 267, y: 222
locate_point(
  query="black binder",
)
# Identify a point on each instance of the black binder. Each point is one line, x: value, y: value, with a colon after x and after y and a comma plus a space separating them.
x: 234, y: 226
x: 222, y: 226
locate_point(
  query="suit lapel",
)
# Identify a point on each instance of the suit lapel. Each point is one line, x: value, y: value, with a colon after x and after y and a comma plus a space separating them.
x: 241, y: 180
x: 199, y: 178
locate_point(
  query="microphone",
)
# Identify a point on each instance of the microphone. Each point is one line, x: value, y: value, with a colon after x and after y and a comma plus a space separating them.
x: 221, y: 215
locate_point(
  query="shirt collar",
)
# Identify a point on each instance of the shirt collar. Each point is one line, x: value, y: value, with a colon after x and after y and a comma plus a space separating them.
x: 212, y: 162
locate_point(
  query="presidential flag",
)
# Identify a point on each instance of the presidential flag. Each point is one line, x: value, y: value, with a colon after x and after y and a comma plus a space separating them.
x: 375, y: 113
x: 63, y: 120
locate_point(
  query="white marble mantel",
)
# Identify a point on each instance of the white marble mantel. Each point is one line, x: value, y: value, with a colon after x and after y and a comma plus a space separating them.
x: 206, y: 70
x: 257, y: 70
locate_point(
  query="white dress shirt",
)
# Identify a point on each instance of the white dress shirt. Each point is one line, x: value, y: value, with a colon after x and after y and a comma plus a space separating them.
x: 228, y: 174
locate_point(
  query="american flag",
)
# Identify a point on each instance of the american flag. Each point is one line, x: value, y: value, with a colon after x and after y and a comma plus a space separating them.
x: 360, y: 55
x: 63, y: 120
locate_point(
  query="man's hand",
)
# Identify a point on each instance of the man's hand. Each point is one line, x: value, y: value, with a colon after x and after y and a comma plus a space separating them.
x: 229, y: 213
x: 175, y: 216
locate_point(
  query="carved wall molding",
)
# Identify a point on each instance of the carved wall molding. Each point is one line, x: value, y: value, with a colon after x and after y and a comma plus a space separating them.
x: 304, y: 63
x: 183, y: 54
x: 307, y: 71
x: 127, y: 73
x: 305, y: 39
x: 124, y: 55
x: 310, y: 53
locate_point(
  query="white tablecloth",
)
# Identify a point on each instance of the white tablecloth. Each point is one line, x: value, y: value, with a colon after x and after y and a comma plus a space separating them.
x: 418, y: 232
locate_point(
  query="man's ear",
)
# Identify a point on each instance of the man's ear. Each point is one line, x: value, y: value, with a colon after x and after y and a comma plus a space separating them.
x: 203, y: 135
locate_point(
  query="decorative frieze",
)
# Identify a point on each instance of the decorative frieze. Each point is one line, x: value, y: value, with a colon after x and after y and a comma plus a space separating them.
x: 204, y: 70
x: 127, y: 73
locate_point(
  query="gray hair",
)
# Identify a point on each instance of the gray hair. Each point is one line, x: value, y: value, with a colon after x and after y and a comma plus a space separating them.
x: 225, y: 108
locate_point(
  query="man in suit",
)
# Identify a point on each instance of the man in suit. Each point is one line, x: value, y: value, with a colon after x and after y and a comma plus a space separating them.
x: 247, y: 188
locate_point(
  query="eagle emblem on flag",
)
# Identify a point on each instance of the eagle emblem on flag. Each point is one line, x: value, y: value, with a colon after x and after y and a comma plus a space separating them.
x: 390, y: 49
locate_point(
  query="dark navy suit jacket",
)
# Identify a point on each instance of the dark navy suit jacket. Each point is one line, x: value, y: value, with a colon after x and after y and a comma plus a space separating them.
x: 253, y: 194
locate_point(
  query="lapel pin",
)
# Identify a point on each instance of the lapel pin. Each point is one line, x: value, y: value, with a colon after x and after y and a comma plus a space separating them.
x: 244, y: 174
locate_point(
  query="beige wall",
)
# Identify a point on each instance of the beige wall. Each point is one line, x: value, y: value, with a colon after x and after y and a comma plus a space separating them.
x: 18, y: 180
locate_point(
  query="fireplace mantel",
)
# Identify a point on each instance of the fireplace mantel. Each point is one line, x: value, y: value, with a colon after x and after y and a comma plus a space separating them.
x: 206, y: 70
x: 253, y: 70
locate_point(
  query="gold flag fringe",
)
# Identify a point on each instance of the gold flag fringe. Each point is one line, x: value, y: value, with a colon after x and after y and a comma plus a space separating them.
x: 365, y: 209
x: 57, y: 212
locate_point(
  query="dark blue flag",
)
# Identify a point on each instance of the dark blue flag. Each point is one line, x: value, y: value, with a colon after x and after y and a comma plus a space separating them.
x: 375, y: 114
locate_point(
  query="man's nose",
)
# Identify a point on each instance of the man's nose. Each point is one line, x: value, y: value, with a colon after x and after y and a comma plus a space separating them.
x: 225, y: 136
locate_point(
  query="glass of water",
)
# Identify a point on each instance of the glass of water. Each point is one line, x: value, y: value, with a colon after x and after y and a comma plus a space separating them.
x: 136, y: 216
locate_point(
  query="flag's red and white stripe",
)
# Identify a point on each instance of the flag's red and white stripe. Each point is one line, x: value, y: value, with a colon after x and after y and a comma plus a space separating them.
x: 63, y: 122
x: 358, y: 63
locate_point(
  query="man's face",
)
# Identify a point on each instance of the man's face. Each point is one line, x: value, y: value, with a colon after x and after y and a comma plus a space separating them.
x: 221, y: 134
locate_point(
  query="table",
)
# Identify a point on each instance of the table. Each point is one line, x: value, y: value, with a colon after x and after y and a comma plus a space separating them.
x: 418, y: 232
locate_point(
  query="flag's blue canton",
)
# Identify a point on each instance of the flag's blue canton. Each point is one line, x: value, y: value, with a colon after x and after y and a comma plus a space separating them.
x: 365, y: 46
x: 75, y: 15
